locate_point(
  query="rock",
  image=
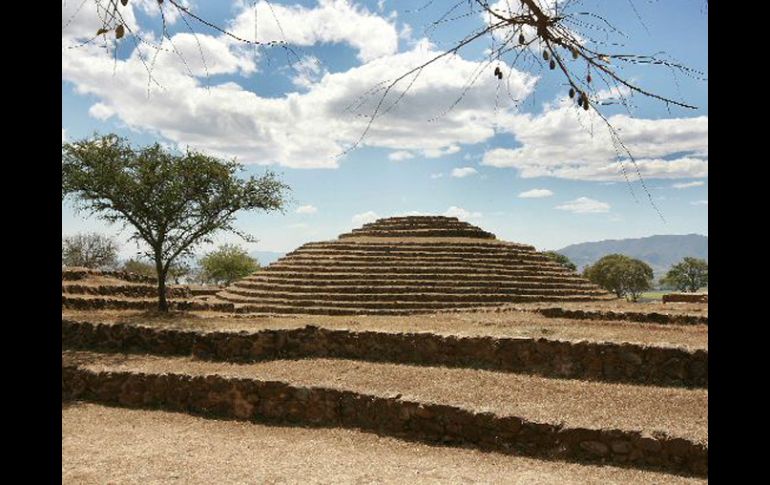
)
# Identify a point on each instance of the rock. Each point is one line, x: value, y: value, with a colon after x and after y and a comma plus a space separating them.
x: 631, y: 358
x: 595, y: 447
x: 622, y: 447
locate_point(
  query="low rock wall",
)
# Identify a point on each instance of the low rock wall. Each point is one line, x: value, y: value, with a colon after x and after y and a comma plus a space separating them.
x: 600, y: 361
x: 252, y: 399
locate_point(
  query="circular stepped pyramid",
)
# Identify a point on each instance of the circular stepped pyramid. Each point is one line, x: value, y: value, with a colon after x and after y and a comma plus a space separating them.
x: 404, y: 265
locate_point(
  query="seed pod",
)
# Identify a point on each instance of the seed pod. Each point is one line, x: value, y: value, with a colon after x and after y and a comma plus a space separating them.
x: 585, y: 104
x: 124, y: 2
x: 497, y: 71
x: 574, y: 53
x: 119, y: 32
x: 521, y: 39
x: 500, y: 75
x: 580, y: 99
x: 571, y: 92
x: 588, y: 78
x: 101, y: 31
x: 545, y: 55
x: 552, y: 64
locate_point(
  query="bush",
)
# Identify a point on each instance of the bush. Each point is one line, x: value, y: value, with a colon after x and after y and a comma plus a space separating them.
x: 226, y: 264
x: 561, y: 259
x: 624, y: 276
x: 690, y: 274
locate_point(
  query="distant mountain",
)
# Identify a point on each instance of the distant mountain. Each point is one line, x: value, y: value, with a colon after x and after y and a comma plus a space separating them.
x: 265, y: 257
x: 660, y: 252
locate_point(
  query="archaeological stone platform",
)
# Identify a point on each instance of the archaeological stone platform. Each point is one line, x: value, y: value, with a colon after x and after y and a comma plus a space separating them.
x: 404, y: 265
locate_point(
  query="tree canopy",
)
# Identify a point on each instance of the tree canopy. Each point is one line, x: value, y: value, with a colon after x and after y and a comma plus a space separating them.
x: 622, y: 275
x: 173, y: 202
x: 690, y: 274
x: 561, y: 259
x: 91, y: 250
x: 226, y: 264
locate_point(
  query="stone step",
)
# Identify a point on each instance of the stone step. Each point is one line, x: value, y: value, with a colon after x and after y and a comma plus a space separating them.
x: 421, y: 287
x: 415, y: 225
x: 358, y: 279
x: 409, y: 269
x: 406, y: 296
x: 637, y: 426
x: 293, y: 300
x: 385, y: 260
x: 133, y: 290
x: 428, y: 303
x: 428, y: 233
x: 88, y: 302
x: 412, y: 253
x: 467, y: 246
x: 143, y: 446
x: 597, y: 360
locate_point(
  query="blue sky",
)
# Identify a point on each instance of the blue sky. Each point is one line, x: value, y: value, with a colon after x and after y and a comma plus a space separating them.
x: 537, y: 171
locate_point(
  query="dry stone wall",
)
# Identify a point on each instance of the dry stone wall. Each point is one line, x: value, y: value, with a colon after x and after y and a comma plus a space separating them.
x: 409, y: 265
x: 252, y: 399
x: 686, y: 298
x: 601, y: 361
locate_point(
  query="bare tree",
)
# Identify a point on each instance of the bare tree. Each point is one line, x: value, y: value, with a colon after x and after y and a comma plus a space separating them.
x: 578, y: 44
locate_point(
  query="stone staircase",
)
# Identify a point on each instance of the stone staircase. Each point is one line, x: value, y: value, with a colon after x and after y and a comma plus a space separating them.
x: 405, y: 265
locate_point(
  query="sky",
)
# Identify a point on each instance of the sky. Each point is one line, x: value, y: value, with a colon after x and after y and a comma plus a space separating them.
x: 514, y: 157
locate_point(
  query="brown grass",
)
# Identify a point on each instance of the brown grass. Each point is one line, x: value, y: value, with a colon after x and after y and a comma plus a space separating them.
x: 622, y: 305
x: 676, y: 412
x: 111, y: 445
x: 510, y: 324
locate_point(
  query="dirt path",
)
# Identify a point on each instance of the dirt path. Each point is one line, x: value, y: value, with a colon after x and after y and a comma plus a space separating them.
x: 112, y: 445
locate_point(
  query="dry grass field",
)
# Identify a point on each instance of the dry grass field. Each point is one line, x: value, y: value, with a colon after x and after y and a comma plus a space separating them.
x: 128, y: 446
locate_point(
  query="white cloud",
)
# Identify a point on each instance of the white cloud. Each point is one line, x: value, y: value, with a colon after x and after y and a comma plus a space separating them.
x: 570, y: 143
x: 700, y: 202
x: 687, y: 185
x: 100, y: 111
x: 436, y: 175
x: 308, y: 71
x: 63, y: 135
x: 463, y: 172
x: 306, y: 209
x: 399, y: 155
x: 535, y: 194
x: 204, y: 55
x: 461, y: 213
x: 584, y: 205
x: 329, y: 22
x: 440, y: 152
x: 363, y: 218
x: 300, y: 130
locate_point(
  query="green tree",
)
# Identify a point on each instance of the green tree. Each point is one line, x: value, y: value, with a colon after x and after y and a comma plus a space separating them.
x: 621, y: 275
x: 139, y: 266
x: 226, y: 264
x: 690, y: 274
x: 172, y: 202
x: 90, y: 250
x: 561, y: 259
x: 176, y: 271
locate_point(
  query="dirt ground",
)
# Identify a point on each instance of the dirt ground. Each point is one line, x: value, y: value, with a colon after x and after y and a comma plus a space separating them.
x: 597, y: 405
x: 103, y: 445
x: 507, y: 324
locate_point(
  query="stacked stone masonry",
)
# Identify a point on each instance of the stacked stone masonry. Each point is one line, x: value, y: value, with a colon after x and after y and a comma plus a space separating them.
x: 407, y: 265
x: 280, y: 402
x: 598, y: 361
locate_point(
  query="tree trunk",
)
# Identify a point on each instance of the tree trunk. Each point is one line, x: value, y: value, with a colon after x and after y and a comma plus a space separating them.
x: 162, y: 303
